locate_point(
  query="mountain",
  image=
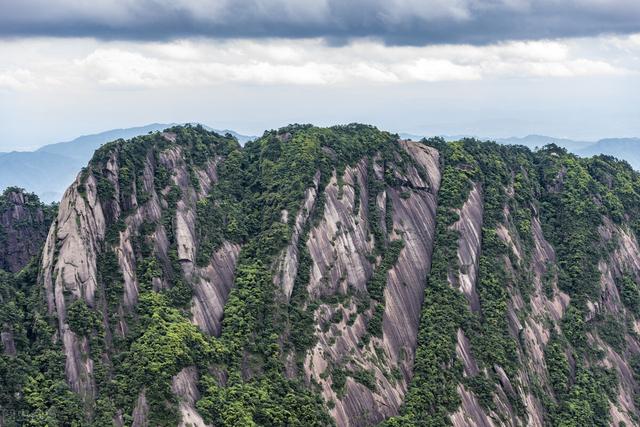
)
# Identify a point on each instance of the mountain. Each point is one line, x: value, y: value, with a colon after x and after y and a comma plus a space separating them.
x: 623, y: 148
x: 24, y: 224
x: 627, y: 149
x: 539, y: 141
x: 330, y: 276
x: 414, y: 137
x: 49, y: 170
x: 83, y: 147
x: 242, y: 139
x: 530, y: 141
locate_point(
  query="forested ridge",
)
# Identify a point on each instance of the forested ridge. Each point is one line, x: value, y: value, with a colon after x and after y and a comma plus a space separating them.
x: 24, y: 223
x: 263, y: 285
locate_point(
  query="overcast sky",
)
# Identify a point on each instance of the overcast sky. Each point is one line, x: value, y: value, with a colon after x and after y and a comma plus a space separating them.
x: 566, y: 68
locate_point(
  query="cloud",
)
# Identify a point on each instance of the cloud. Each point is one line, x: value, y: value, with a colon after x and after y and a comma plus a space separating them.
x: 400, y: 22
x: 18, y: 79
x: 74, y: 63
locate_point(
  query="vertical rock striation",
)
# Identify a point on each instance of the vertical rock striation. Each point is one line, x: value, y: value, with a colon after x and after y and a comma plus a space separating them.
x: 339, y: 246
x: 129, y: 244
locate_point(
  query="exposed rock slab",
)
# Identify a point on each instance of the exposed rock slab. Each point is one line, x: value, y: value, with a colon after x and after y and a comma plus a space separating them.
x: 338, y: 248
x: 24, y: 224
x: 288, y: 268
x: 185, y: 387
x: 211, y: 286
x: 69, y: 266
x: 469, y: 227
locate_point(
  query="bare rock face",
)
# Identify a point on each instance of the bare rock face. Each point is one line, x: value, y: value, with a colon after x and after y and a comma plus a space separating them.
x: 470, y: 412
x: 288, y: 267
x: 340, y: 244
x: 141, y: 411
x: 624, y: 259
x: 469, y: 228
x: 77, y: 239
x: 536, y: 332
x: 8, y: 343
x: 533, y: 334
x: 185, y: 387
x: 212, y: 286
x: 24, y: 223
x: 414, y: 219
x: 428, y: 158
x: 338, y: 248
x: 361, y: 375
x: 69, y: 267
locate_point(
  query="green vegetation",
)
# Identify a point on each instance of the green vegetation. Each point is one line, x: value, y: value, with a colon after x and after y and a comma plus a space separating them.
x: 630, y: 294
x: 574, y: 195
x: 165, y: 343
x: 570, y: 220
x: 24, y: 224
x: 432, y: 394
x: 252, y: 373
x: 557, y: 367
x: 82, y: 320
x: 612, y: 332
x: 588, y: 400
x: 33, y: 391
x: 255, y: 185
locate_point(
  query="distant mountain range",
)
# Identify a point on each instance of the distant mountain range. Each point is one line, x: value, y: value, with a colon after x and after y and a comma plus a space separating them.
x: 627, y: 149
x: 49, y: 170
x: 533, y: 141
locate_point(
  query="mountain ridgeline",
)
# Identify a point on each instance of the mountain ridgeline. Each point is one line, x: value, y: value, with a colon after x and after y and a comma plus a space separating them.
x: 330, y: 276
x: 50, y: 169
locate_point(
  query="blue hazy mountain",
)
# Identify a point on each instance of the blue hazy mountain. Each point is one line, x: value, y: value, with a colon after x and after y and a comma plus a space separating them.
x: 536, y: 141
x: 623, y: 148
x: 627, y: 149
x: 49, y: 170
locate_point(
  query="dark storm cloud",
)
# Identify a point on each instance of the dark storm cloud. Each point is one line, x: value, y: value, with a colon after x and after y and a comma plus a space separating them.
x: 412, y: 22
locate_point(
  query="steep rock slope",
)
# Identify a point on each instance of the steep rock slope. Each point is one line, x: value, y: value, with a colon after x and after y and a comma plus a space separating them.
x: 533, y: 347
x: 378, y: 371
x: 338, y: 275
x: 126, y: 229
x: 24, y: 223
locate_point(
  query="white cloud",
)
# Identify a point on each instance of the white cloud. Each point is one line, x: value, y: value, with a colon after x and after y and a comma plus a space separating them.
x: 17, y: 79
x: 433, y: 70
x: 579, y: 67
x: 187, y: 63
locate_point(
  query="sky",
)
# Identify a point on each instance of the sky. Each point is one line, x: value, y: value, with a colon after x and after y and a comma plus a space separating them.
x: 491, y: 68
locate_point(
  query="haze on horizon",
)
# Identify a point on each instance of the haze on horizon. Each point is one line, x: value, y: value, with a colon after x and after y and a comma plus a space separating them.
x: 499, y: 68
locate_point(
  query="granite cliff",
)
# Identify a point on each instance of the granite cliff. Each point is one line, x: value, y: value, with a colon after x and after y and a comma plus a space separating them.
x: 340, y: 275
x: 24, y: 223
